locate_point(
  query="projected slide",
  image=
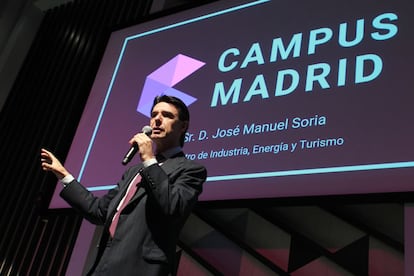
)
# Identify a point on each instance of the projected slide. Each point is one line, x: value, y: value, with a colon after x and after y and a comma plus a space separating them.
x: 287, y: 98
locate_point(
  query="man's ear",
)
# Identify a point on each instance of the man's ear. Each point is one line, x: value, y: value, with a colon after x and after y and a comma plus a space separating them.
x: 184, y: 126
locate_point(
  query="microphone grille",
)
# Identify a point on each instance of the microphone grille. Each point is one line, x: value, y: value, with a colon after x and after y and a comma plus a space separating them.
x: 147, y: 130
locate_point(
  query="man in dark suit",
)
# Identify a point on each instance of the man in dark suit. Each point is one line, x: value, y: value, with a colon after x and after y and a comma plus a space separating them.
x: 144, y: 240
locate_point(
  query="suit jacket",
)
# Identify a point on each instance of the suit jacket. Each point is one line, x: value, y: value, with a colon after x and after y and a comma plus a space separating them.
x: 149, y: 226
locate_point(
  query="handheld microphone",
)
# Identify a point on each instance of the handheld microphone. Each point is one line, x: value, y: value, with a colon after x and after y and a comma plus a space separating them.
x: 134, y: 148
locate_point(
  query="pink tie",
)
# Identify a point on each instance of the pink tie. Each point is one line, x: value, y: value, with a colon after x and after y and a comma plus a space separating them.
x: 127, y: 198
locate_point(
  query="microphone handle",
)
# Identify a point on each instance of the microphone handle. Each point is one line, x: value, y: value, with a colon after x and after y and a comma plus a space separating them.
x: 134, y: 148
x: 130, y: 154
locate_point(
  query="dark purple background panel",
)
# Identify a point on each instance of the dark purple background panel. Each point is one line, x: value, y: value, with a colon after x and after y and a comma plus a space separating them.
x: 373, y: 119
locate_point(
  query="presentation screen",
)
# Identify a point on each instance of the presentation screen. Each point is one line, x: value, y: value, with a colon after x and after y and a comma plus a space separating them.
x: 287, y: 98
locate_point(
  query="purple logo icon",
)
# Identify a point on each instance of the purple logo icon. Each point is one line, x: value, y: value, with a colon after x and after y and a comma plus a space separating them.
x: 162, y: 80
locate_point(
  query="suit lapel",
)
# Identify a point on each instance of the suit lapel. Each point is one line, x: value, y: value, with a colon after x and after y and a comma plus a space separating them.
x: 169, y: 166
x: 122, y: 190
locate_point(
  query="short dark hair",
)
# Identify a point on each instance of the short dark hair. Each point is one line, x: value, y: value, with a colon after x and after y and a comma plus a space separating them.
x: 183, y: 113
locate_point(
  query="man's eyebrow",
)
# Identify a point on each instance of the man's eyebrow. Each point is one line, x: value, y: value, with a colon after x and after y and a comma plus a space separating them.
x: 164, y: 112
x: 169, y: 113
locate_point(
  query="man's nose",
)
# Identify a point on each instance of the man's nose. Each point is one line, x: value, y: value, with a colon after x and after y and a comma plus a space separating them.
x: 157, y: 119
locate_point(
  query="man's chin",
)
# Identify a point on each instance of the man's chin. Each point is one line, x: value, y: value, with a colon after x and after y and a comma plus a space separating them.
x: 156, y: 137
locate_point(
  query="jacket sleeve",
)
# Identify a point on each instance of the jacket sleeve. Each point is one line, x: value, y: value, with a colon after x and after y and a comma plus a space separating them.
x: 92, y: 208
x: 175, y: 192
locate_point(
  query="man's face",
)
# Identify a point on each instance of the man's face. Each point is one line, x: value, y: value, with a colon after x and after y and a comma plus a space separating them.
x: 166, y: 126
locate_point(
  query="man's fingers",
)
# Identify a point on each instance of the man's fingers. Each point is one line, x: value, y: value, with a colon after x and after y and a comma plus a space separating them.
x: 46, y: 160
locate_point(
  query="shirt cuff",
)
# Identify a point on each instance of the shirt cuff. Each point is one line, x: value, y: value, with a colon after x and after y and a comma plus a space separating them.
x: 149, y: 162
x: 67, y: 179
